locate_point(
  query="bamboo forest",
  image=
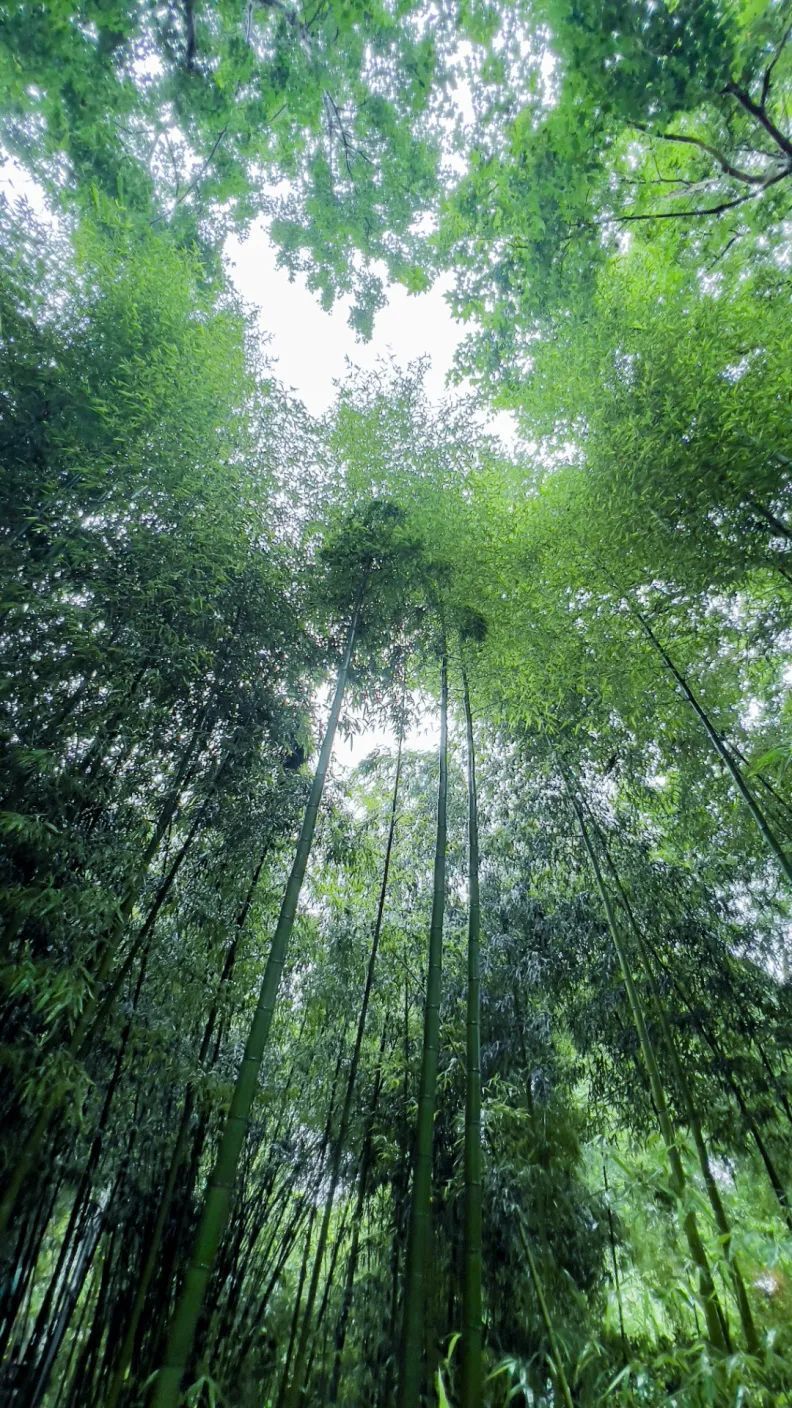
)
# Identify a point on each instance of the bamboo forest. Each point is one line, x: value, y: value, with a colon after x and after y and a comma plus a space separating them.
x: 396, y: 872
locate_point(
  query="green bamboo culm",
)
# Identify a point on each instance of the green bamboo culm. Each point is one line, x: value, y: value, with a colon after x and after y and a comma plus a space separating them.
x: 471, y: 1281
x: 217, y: 1202
x: 99, y: 1005
x: 723, y: 751
x: 716, y: 738
x: 556, y: 1360
x: 418, y: 1237
x: 717, y: 1332
x: 115, y: 1387
x: 298, y: 1374
x: 720, y: 1215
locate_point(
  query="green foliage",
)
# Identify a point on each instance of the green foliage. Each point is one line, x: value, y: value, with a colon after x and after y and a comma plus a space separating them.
x: 661, y: 126
x: 183, y: 554
x: 195, y: 114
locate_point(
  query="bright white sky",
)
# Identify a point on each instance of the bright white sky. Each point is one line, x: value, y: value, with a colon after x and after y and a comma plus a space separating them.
x: 311, y: 349
x: 423, y: 737
x: 311, y: 346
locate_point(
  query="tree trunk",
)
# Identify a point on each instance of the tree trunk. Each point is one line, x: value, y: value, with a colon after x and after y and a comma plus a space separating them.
x: 296, y: 1312
x: 295, y: 1388
x: 338, y: 1242
x: 471, y: 1279
x: 177, y: 1158
x: 691, y: 1113
x: 95, y: 1012
x: 75, y: 1239
x: 718, y: 743
x: 614, y: 1262
x: 418, y: 1238
x: 217, y: 1202
x: 716, y: 1331
x: 547, y: 1320
x: 295, y: 1321
x: 339, y: 1338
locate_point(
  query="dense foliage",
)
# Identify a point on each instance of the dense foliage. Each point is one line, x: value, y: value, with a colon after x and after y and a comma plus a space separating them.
x: 459, y: 1076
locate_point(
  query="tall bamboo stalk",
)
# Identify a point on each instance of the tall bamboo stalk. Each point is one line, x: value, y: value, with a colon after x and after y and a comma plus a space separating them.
x: 177, y: 1158
x: 718, y: 743
x: 366, y: 1153
x: 716, y: 1325
x: 298, y: 1372
x: 471, y: 1279
x: 217, y: 1201
x: 555, y: 1356
x: 691, y: 1113
x: 419, y: 1233
x: 98, y: 1007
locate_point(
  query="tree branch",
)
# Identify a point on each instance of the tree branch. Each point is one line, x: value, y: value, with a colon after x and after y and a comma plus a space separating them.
x: 291, y: 17
x: 335, y: 121
x: 769, y: 71
x: 757, y: 110
x: 707, y: 210
x: 725, y: 250
x: 717, y: 156
x: 189, y: 27
x: 197, y: 179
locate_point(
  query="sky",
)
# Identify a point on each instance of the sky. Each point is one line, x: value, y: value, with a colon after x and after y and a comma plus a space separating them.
x: 310, y: 349
x: 311, y: 346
